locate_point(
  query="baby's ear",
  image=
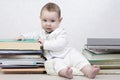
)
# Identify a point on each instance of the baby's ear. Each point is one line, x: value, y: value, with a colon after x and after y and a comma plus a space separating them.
x: 60, y: 19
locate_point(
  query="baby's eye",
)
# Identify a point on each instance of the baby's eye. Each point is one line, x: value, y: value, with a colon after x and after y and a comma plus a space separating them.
x: 44, y: 20
x: 52, y: 20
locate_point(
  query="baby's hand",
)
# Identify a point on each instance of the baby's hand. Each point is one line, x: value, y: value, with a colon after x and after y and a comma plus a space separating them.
x: 20, y: 38
x: 41, y: 41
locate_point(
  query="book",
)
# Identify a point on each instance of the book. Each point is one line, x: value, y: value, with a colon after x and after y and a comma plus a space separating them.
x: 20, y: 66
x: 20, y: 52
x: 110, y: 71
x: 24, y: 56
x: 21, y: 61
x: 103, y: 49
x: 103, y: 45
x: 92, y: 56
x: 24, y: 70
x: 110, y: 66
x: 107, y: 64
x: 27, y: 44
x: 110, y: 61
x: 103, y: 41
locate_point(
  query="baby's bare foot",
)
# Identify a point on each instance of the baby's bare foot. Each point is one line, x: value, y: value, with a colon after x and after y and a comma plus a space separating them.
x: 67, y: 73
x: 95, y: 70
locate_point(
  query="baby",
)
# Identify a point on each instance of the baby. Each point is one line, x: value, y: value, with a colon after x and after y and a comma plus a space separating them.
x: 55, y: 44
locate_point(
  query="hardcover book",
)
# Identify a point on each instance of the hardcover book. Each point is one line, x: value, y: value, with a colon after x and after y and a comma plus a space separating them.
x: 93, y: 56
x: 27, y: 44
x: 103, y: 45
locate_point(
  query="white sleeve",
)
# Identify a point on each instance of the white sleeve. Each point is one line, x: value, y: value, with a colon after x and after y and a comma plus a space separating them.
x: 32, y: 35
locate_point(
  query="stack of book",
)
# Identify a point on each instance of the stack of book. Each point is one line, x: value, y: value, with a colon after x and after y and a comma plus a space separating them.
x: 105, y: 53
x: 21, y: 56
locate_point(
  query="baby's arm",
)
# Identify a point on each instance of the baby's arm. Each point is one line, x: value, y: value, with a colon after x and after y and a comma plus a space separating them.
x: 33, y: 35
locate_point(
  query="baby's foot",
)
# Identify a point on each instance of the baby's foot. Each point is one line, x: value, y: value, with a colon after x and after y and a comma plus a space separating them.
x: 67, y: 73
x: 95, y: 70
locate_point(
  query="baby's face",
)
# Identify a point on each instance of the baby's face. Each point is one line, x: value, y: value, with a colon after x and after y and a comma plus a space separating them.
x: 49, y: 20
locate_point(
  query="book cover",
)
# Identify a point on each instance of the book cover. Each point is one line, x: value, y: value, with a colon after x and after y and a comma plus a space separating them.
x: 24, y: 56
x: 108, y: 62
x: 103, y: 49
x: 110, y: 66
x: 24, y: 70
x: 24, y: 62
x: 20, y: 52
x: 110, y: 71
x: 28, y: 44
x: 92, y: 56
x: 103, y: 41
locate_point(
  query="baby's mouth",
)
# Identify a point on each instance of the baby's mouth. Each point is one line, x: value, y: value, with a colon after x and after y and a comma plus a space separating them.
x: 49, y: 30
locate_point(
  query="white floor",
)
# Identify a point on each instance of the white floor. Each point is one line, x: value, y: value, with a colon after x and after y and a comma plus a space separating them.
x: 48, y: 77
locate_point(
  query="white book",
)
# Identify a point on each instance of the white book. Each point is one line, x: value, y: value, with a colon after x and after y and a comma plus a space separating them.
x: 21, y: 61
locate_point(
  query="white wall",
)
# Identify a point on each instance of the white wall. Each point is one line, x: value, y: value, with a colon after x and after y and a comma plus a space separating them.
x: 81, y: 18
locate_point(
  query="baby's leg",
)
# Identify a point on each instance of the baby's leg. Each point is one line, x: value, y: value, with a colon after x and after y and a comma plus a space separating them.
x: 67, y: 73
x: 90, y: 71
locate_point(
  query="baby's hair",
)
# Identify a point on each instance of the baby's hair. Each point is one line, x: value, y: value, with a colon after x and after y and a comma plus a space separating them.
x: 52, y: 7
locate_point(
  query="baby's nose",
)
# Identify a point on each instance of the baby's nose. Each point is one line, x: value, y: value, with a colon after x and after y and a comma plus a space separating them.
x: 48, y: 23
